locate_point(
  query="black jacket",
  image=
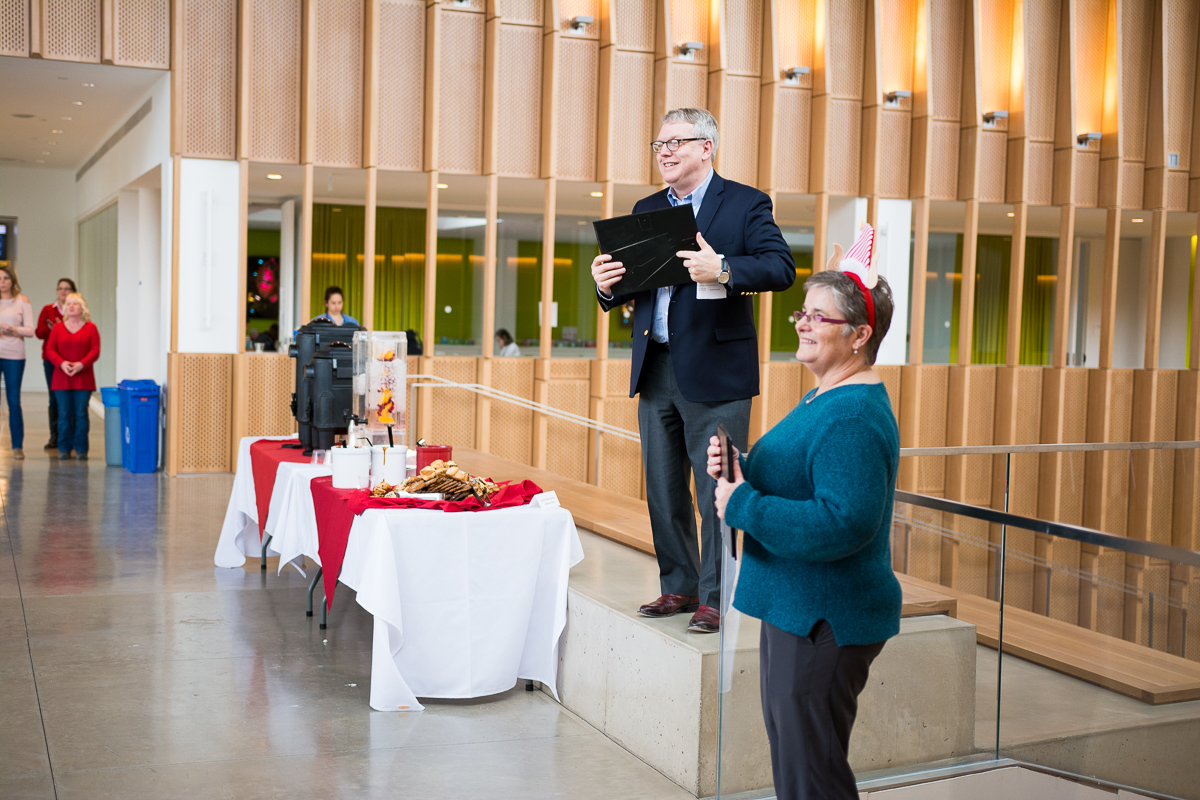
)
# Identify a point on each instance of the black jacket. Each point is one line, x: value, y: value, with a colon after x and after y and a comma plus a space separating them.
x: 714, y: 347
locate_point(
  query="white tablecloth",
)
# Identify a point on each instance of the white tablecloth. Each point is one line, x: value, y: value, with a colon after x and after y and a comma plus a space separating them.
x: 465, y: 604
x: 292, y: 521
x: 239, y: 533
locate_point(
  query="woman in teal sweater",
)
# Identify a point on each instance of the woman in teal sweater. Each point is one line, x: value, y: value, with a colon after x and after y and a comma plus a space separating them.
x: 815, y: 503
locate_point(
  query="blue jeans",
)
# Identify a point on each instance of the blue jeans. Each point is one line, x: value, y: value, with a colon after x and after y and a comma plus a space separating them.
x: 73, y: 420
x: 49, y: 368
x: 12, y: 370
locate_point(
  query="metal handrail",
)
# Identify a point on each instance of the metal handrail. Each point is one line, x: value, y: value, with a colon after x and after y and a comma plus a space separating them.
x: 532, y: 405
x: 1062, y: 530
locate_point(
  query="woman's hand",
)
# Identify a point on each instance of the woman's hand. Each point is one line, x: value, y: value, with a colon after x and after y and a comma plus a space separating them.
x: 726, y: 488
x: 66, y: 367
x: 714, y: 457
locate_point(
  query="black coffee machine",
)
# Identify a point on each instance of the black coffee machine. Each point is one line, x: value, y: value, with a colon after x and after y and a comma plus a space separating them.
x: 309, y: 339
x: 329, y: 380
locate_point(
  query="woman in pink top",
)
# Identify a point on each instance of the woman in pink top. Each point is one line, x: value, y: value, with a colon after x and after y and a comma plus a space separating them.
x: 16, y: 325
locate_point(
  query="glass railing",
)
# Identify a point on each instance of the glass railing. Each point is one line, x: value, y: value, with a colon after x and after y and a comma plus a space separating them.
x: 1022, y: 640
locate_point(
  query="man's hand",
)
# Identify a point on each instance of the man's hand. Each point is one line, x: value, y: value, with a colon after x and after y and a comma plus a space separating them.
x: 606, y: 272
x: 704, y: 265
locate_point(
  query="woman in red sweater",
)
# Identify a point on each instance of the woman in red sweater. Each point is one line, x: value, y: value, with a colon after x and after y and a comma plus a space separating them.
x: 73, y: 347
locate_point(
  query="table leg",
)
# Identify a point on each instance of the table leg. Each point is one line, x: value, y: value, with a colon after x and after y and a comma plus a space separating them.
x: 266, y: 542
x: 311, y: 587
x: 528, y: 685
x: 324, y: 612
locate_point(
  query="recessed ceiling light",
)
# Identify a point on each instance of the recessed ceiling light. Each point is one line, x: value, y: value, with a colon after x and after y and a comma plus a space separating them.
x: 76, y: 102
x: 1010, y: 214
x: 274, y: 177
x: 56, y: 131
x: 443, y: 186
x: 597, y: 194
x: 336, y: 210
x: 1138, y: 219
x: 68, y: 119
x: 88, y: 85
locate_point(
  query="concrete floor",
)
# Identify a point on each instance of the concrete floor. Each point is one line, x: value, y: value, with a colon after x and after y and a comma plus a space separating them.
x: 132, y: 668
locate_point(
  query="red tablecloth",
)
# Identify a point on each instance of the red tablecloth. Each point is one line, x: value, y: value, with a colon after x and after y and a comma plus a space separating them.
x: 265, y: 457
x: 335, y: 510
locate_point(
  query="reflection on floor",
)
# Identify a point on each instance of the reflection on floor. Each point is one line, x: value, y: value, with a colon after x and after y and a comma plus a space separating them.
x: 132, y: 668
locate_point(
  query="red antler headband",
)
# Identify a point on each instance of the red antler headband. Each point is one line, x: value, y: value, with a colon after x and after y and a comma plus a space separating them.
x: 859, y: 263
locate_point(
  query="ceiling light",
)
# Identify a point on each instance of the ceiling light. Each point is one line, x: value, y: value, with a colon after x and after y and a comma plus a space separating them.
x: 688, y: 50
x: 336, y: 210
x: 1138, y: 219
x: 68, y: 119
x: 88, y: 85
x: 1010, y: 214
x: 597, y: 194
x: 56, y: 131
x: 1084, y: 139
x: 274, y: 177
x: 793, y: 74
x: 895, y: 95
x: 990, y: 117
x: 443, y: 186
x: 76, y: 102
x: 578, y: 23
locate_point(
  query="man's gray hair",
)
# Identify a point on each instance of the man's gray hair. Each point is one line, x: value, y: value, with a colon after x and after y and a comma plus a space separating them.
x: 704, y: 124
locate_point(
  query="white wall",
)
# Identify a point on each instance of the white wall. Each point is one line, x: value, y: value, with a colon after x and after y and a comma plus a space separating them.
x: 1177, y: 273
x: 1129, y: 339
x: 43, y: 200
x: 209, y: 221
x: 893, y: 241
x: 894, y: 229
x: 142, y: 149
x: 137, y: 173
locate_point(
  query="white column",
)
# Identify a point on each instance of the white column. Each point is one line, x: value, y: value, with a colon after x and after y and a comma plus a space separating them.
x: 208, y: 254
x: 894, y: 243
x: 149, y: 314
x: 129, y: 231
x: 288, y: 299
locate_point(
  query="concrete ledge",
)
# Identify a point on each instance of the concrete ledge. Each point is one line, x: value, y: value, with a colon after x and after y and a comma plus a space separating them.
x: 652, y: 688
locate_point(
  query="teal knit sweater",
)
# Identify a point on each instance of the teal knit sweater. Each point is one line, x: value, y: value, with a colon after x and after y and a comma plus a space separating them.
x: 817, y: 510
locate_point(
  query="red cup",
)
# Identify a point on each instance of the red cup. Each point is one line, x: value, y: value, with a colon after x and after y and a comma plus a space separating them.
x: 429, y: 453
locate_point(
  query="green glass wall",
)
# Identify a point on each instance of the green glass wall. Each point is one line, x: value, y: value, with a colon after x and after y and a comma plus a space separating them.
x: 943, y: 295
x: 337, y: 256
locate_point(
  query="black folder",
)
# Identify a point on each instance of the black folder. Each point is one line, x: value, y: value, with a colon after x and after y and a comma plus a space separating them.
x: 646, y: 244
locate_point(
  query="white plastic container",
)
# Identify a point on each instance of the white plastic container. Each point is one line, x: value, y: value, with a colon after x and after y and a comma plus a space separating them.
x: 351, y: 467
x: 388, y: 464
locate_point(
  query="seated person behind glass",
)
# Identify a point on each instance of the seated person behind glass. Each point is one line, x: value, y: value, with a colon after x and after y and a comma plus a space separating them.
x: 333, y: 308
x: 505, y: 346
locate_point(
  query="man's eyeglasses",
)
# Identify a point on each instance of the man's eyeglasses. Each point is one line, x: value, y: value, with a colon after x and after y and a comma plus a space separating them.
x: 674, y: 144
x: 815, y: 319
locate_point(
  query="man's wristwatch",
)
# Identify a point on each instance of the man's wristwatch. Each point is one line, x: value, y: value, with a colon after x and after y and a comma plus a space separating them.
x: 723, y: 278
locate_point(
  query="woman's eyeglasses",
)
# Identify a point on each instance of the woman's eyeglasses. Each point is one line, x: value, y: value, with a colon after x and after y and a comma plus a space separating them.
x: 815, y: 319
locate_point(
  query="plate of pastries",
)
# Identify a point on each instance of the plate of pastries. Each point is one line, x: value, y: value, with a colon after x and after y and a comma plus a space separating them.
x: 444, y: 478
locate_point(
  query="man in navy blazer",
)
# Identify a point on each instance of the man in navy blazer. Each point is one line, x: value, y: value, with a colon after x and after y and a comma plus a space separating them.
x: 695, y: 354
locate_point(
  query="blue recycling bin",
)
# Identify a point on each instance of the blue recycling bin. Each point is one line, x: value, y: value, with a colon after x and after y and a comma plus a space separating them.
x: 139, y: 425
x: 113, y: 430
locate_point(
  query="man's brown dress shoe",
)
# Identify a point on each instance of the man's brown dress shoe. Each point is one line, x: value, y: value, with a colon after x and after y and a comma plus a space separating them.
x: 706, y: 620
x: 670, y: 604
